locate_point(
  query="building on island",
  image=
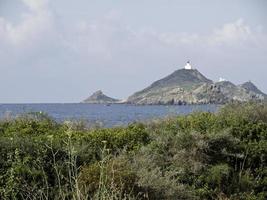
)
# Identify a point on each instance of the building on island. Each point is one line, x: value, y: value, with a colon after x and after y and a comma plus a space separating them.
x: 188, y: 66
x: 222, y: 79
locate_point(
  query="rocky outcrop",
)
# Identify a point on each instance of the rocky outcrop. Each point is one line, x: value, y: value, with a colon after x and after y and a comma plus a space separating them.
x: 100, y: 98
x: 189, y: 86
x: 225, y: 92
x: 249, y: 86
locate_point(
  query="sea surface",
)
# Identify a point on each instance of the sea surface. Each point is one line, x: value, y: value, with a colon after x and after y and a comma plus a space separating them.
x: 104, y: 115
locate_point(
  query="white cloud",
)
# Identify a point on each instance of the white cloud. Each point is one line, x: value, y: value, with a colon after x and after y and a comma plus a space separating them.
x: 233, y: 33
x: 33, y: 25
x: 36, y: 5
x: 237, y: 31
x: 109, y: 43
x: 106, y: 36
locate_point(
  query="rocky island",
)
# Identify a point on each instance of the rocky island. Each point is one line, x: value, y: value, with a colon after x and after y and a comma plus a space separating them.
x: 100, y: 98
x: 187, y: 86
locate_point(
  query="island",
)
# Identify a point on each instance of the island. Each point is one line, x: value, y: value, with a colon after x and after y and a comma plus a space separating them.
x: 187, y: 86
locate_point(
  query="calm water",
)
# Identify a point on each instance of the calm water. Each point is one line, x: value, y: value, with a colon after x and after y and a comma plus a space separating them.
x: 112, y: 115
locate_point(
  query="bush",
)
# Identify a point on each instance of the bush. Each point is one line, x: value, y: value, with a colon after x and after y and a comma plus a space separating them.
x: 202, y: 155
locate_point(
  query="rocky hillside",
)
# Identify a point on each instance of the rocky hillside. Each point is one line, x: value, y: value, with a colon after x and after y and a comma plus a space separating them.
x: 191, y: 87
x: 225, y: 92
x: 249, y: 86
x: 175, y: 88
x: 100, y: 98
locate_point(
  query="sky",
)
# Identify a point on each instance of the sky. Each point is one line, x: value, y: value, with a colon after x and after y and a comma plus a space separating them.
x: 61, y: 51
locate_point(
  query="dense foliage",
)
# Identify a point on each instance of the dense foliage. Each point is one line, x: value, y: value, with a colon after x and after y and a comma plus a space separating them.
x: 198, y: 156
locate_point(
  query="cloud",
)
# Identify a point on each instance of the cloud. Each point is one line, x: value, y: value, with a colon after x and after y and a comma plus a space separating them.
x: 237, y: 31
x: 100, y: 38
x: 105, y: 37
x: 234, y: 33
x: 33, y: 25
x: 36, y: 5
x: 108, y: 43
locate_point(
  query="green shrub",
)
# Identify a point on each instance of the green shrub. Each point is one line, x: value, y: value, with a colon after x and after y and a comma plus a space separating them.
x: 202, y: 155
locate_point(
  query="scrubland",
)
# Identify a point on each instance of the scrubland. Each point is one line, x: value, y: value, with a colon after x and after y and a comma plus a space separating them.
x: 202, y: 155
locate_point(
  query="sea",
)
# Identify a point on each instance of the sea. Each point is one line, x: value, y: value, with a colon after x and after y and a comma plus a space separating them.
x: 103, y: 115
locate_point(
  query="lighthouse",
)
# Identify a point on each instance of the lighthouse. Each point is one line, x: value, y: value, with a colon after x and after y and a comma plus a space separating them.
x: 188, y: 66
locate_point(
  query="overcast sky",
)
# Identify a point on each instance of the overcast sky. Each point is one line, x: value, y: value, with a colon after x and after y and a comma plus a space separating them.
x: 63, y: 50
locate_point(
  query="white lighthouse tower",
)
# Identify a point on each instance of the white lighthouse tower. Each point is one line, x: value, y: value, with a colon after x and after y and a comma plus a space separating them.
x: 188, y: 66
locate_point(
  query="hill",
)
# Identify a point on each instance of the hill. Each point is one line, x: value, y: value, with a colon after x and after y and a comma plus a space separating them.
x: 249, y: 86
x: 189, y: 86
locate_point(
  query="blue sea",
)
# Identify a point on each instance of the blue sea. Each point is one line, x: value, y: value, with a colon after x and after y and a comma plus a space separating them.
x: 105, y: 115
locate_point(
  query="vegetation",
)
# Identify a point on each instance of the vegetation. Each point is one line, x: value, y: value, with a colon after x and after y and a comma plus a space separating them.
x: 198, y: 156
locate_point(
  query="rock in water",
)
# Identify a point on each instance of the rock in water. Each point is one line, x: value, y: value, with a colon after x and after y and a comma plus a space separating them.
x: 100, y: 98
